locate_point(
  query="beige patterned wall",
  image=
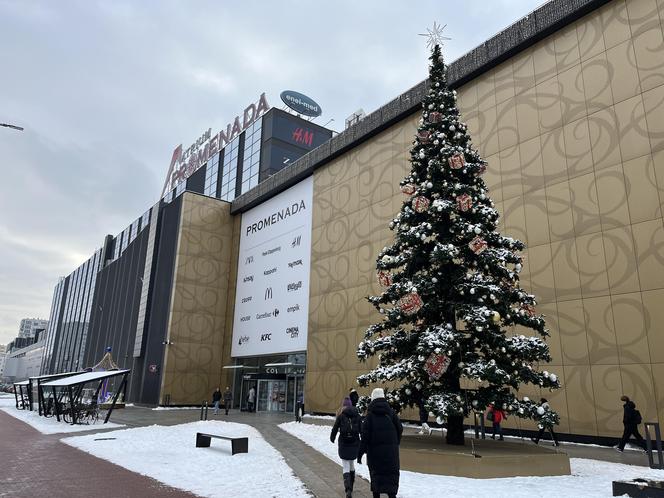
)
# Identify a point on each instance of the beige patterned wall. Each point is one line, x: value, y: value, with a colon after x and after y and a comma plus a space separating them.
x: 573, y: 130
x: 197, y: 324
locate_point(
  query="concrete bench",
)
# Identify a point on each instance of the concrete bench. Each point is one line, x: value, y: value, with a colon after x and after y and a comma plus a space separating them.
x: 238, y: 444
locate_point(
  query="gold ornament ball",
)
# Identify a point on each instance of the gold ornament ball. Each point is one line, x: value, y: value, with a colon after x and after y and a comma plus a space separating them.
x: 496, y: 317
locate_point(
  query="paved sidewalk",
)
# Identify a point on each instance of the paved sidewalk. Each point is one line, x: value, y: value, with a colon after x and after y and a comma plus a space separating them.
x: 34, y: 465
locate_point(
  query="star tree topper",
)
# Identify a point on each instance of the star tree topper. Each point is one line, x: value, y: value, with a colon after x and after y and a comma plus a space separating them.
x: 435, y: 35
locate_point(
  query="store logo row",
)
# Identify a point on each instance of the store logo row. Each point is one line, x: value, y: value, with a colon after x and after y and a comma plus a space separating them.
x: 267, y: 314
x: 291, y: 332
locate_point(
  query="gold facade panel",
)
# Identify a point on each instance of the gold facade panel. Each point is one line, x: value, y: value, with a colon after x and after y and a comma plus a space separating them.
x: 597, y: 82
x: 607, y: 389
x: 642, y: 193
x: 544, y: 58
x: 612, y: 197
x: 580, y: 400
x: 620, y: 260
x: 548, y: 104
x: 566, y: 270
x: 573, y: 134
x: 631, y: 334
x: 604, y: 140
x: 648, y: 46
x: 572, y: 326
x: 649, y: 245
x: 590, y: 35
x: 585, y: 207
x: 632, y: 128
x: 653, y: 101
x: 523, y: 71
x: 616, y: 23
x: 600, y: 329
x: 592, y: 265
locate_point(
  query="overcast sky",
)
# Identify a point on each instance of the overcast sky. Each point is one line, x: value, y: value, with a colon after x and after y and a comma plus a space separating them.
x: 106, y: 90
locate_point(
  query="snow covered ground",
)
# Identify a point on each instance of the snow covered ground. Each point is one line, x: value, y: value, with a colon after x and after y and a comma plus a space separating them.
x: 590, y: 478
x: 162, y: 408
x: 169, y: 454
x: 51, y: 425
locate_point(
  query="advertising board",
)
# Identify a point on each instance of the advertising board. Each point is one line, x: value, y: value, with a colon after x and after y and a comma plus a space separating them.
x: 272, y: 289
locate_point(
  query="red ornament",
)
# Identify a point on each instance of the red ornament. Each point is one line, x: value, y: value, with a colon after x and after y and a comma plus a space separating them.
x: 477, y: 245
x: 529, y: 309
x: 424, y: 137
x: 421, y: 204
x: 435, y: 117
x: 436, y: 365
x: 408, y: 189
x: 410, y: 303
x: 457, y: 161
x: 464, y: 202
x: 384, y: 278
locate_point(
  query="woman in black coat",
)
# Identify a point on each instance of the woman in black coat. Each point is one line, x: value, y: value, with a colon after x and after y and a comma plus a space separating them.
x: 348, y: 426
x: 381, y: 435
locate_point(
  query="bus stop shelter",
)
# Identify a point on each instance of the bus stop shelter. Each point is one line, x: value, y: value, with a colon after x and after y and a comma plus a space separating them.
x: 73, y: 389
x: 23, y: 395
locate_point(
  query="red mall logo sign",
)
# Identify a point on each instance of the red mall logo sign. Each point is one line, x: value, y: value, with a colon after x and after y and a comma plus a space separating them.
x: 303, y: 136
x: 185, y: 162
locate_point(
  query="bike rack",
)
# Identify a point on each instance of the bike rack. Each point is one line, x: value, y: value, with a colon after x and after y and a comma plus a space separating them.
x: 658, y: 445
x: 204, y: 410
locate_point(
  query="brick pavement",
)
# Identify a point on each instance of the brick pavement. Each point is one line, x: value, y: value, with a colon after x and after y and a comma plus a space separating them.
x: 34, y: 465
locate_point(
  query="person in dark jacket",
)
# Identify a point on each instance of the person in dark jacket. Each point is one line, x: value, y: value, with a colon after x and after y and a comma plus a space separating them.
x: 381, y: 435
x: 228, y: 399
x: 354, y: 397
x: 545, y: 406
x: 631, y: 421
x: 347, y: 425
x: 216, y: 398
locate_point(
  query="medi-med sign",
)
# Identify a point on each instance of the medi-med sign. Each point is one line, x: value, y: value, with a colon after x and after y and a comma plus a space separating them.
x: 185, y: 162
x: 272, y: 290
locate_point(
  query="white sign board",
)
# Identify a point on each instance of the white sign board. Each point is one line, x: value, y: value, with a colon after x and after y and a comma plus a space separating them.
x: 272, y: 289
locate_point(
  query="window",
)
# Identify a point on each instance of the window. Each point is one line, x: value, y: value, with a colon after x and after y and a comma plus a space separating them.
x: 211, y: 175
x: 251, y: 156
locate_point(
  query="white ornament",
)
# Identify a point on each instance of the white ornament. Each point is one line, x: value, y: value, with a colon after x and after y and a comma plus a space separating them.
x: 540, y: 410
x: 553, y: 377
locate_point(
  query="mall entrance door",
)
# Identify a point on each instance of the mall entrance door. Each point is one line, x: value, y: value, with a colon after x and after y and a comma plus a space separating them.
x: 271, y: 395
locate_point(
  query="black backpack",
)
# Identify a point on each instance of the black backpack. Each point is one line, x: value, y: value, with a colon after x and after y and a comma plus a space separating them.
x: 349, y: 428
x: 637, y: 417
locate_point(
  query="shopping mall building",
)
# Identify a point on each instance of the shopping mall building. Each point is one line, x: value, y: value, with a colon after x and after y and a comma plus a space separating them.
x: 255, y: 273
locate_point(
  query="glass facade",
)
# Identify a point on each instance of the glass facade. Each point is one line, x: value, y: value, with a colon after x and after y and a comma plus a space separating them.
x: 228, y: 179
x: 211, y: 176
x: 68, y: 355
x: 53, y: 329
x: 252, y: 156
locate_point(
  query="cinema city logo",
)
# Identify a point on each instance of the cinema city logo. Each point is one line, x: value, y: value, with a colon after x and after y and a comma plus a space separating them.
x: 185, y: 162
x: 293, y: 332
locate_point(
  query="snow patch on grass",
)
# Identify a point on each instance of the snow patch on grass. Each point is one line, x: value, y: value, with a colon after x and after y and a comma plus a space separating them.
x: 51, y: 425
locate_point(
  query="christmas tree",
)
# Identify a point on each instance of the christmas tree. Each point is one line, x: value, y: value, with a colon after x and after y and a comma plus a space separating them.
x: 451, y: 286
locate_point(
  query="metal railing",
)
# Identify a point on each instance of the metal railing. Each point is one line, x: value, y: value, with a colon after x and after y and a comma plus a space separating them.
x: 658, y: 445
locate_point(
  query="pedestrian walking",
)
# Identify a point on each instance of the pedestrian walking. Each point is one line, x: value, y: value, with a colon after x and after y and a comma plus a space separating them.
x: 496, y: 416
x: 228, y: 399
x: 380, y: 438
x: 251, y: 399
x: 631, y: 421
x: 347, y: 424
x: 545, y: 406
x: 354, y: 397
x: 216, y: 398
